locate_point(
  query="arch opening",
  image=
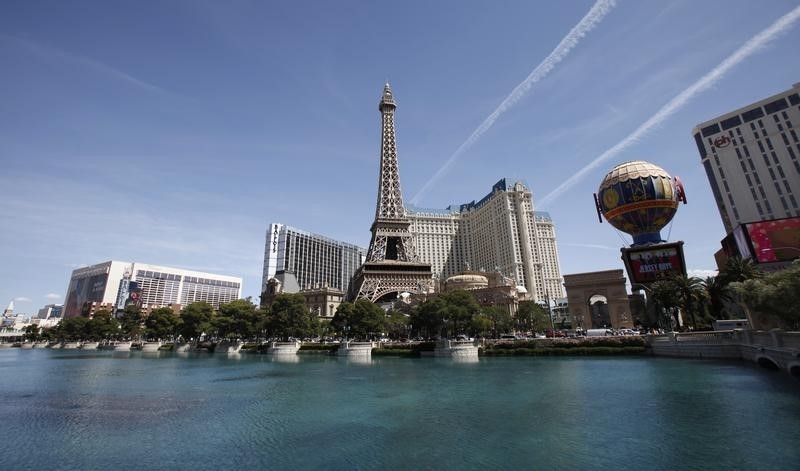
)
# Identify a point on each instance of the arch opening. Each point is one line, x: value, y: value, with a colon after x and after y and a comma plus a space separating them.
x: 598, y: 307
x: 767, y: 363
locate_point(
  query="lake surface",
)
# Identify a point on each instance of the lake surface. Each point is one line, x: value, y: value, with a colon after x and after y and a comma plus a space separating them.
x: 92, y: 410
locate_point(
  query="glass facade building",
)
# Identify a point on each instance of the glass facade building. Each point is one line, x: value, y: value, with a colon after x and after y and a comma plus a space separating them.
x: 315, y: 261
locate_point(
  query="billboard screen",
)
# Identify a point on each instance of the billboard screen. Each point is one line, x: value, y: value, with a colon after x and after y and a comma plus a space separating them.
x: 775, y: 241
x: 84, y: 290
x: 134, y: 295
x: 649, y: 264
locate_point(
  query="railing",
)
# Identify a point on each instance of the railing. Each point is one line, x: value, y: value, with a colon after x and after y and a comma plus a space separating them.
x: 761, y: 338
x: 723, y: 336
x: 774, y: 338
x: 791, y: 340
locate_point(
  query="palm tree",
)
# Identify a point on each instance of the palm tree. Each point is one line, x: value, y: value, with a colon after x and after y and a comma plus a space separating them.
x: 664, y: 296
x: 739, y: 269
x: 717, y: 293
x: 691, y: 293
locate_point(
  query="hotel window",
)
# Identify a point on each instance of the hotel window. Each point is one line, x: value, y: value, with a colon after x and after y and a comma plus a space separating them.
x: 731, y: 122
x: 753, y: 114
x: 775, y: 106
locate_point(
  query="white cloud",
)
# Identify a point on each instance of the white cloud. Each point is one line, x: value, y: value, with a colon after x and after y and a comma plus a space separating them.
x: 702, y: 273
x: 52, y: 296
x: 22, y: 299
x: 752, y: 46
x: 592, y: 18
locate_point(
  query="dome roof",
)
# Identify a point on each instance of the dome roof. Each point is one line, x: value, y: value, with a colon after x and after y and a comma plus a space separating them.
x: 467, y: 281
x: 522, y: 289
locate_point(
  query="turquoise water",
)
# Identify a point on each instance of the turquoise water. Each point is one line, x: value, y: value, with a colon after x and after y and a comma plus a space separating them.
x: 83, y: 410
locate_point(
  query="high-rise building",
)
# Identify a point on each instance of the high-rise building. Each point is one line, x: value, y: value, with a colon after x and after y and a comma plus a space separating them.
x: 501, y: 232
x: 752, y: 159
x: 112, y: 284
x: 312, y: 260
x: 50, y: 311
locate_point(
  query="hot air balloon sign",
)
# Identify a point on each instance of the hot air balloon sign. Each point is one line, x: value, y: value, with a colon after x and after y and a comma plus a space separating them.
x: 640, y: 198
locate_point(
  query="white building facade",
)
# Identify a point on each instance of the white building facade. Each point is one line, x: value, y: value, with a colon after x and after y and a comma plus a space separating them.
x: 315, y: 261
x: 752, y: 159
x: 111, y: 284
x: 500, y: 232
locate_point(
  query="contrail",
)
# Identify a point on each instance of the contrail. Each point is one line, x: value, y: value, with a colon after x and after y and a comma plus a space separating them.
x: 753, y: 45
x: 587, y: 23
x: 49, y: 51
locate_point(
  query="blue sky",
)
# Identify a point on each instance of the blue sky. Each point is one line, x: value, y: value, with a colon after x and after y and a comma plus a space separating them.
x: 174, y: 132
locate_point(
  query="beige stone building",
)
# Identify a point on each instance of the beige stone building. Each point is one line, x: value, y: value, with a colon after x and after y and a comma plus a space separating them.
x: 501, y: 232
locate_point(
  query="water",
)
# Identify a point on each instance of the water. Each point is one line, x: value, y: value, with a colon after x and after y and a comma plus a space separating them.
x: 83, y: 410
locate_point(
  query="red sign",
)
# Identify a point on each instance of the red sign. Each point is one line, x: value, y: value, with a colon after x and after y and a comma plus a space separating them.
x: 722, y: 141
x: 653, y: 263
x: 775, y: 241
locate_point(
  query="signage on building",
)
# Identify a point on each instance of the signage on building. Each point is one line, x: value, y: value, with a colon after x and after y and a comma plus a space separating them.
x: 722, y: 141
x: 775, y: 241
x: 654, y: 262
x: 83, y: 292
x: 134, y: 295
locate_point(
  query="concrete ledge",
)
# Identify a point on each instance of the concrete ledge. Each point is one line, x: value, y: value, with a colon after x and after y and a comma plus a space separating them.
x: 457, y: 350
x: 356, y: 349
x: 283, y: 348
x: 227, y: 346
x: 774, y: 349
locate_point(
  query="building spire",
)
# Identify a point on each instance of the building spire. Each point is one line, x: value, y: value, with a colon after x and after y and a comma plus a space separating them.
x: 387, y: 100
x: 390, y: 197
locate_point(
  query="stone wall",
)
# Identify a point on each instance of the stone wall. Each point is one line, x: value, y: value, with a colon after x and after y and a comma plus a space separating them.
x: 774, y: 349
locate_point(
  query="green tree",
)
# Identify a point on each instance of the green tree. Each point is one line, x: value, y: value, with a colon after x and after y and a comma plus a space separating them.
x: 500, y: 319
x: 240, y: 319
x: 690, y: 295
x: 427, y: 318
x: 72, y: 328
x: 531, y: 317
x: 32, y: 333
x: 368, y: 319
x: 195, y: 320
x: 480, y: 326
x: 774, y: 295
x: 396, y: 324
x: 101, y: 326
x: 717, y: 295
x: 131, y: 321
x: 162, y: 323
x: 739, y: 270
x: 664, y: 297
x: 341, y: 319
x: 290, y: 317
x: 460, y: 307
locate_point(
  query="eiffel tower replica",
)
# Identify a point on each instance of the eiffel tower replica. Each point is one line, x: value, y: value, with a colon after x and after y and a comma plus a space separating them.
x: 392, y: 265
